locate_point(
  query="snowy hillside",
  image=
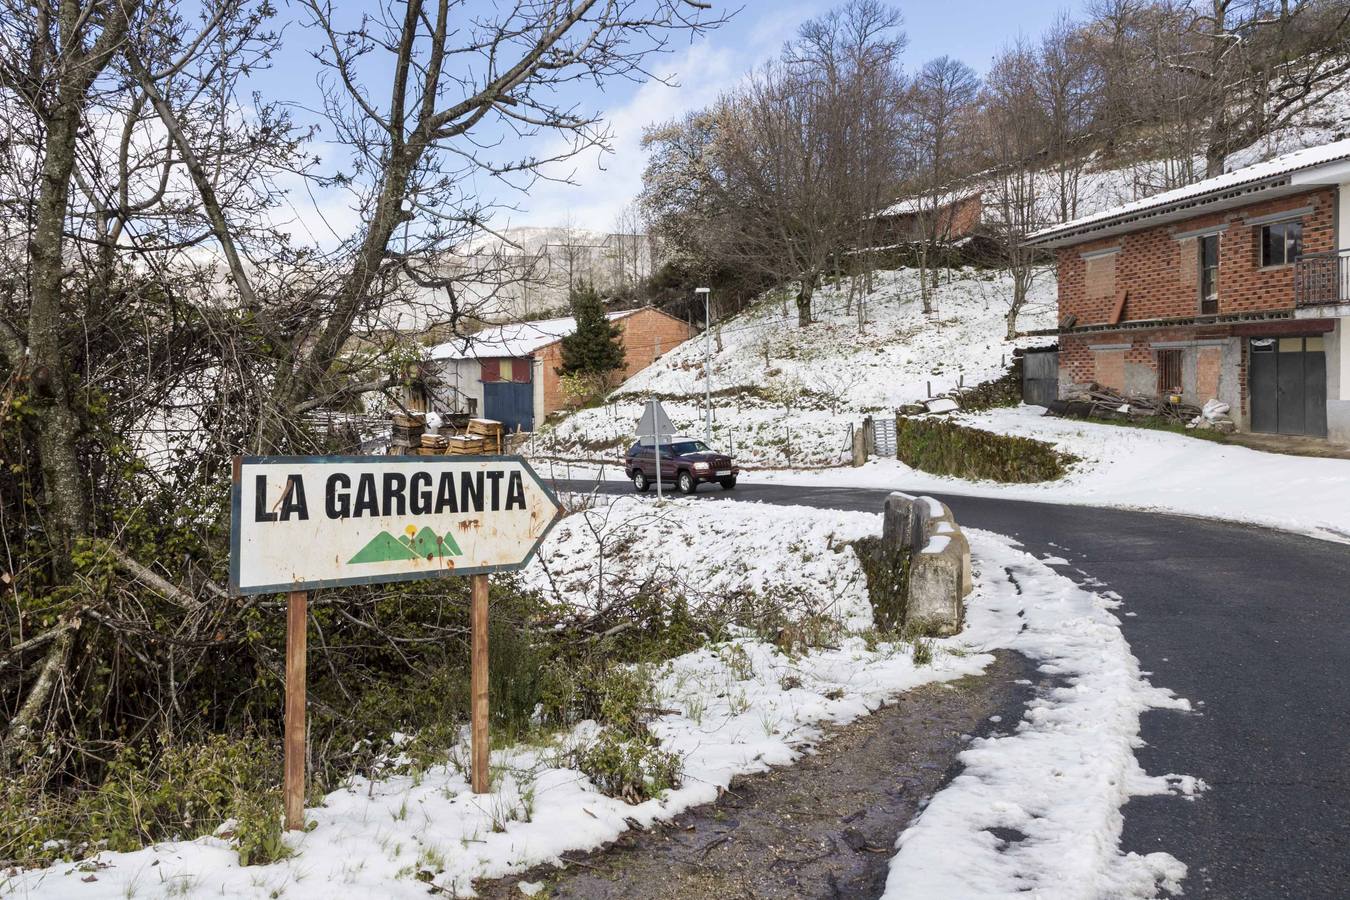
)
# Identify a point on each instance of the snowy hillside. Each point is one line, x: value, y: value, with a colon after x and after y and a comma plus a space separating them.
x: 785, y: 395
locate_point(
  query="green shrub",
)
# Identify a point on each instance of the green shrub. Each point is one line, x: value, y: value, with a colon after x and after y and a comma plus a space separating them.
x: 152, y: 793
x: 943, y: 447
x: 183, y: 790
x: 630, y: 767
x: 886, y: 569
x: 923, y: 652
x: 614, y: 695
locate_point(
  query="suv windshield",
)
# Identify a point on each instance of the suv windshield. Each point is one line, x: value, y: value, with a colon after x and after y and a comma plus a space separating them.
x: 683, y: 448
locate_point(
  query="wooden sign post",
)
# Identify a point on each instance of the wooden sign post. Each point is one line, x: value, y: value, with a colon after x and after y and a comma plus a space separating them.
x: 480, y: 743
x: 304, y: 522
x: 293, y: 785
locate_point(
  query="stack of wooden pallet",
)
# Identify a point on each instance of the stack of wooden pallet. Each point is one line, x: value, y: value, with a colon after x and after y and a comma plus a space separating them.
x: 406, y: 433
x: 465, y: 445
x: 490, y: 431
x: 435, y: 443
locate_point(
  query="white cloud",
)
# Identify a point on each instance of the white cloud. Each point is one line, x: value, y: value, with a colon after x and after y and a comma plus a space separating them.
x: 606, y: 182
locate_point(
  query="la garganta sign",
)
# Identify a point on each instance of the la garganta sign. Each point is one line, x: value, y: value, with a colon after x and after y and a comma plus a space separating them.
x: 304, y: 522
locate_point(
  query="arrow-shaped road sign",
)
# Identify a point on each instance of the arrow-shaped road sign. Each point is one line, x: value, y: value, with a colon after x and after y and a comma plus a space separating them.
x: 304, y: 522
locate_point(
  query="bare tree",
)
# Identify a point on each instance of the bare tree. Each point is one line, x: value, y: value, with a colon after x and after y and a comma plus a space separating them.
x: 1068, y: 83
x: 1258, y: 64
x: 779, y: 176
x: 627, y: 246
x: 1015, y: 133
x: 941, y: 101
x: 156, y: 318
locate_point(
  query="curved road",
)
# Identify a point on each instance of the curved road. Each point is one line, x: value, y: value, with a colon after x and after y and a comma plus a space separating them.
x: 1253, y: 627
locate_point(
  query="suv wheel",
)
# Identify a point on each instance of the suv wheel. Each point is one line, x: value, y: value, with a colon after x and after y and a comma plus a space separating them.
x: 727, y: 483
x: 640, y: 483
x: 685, y: 482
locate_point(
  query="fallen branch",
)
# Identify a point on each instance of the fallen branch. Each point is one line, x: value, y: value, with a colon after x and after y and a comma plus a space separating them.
x: 21, y: 726
x: 14, y: 653
x: 151, y: 580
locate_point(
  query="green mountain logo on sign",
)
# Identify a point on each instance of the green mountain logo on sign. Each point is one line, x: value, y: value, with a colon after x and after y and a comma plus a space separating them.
x: 424, y: 544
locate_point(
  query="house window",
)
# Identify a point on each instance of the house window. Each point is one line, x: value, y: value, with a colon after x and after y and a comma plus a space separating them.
x: 1281, y: 243
x: 1169, y: 371
x: 1209, y: 274
x: 505, y: 372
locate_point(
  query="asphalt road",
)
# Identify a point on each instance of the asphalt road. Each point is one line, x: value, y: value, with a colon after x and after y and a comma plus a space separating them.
x: 1253, y: 627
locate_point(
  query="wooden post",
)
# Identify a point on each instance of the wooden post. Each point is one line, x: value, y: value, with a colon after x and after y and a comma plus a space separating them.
x: 294, y: 787
x: 478, y: 684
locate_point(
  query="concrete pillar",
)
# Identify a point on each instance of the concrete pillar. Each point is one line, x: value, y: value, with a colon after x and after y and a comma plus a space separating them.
x: 859, y: 447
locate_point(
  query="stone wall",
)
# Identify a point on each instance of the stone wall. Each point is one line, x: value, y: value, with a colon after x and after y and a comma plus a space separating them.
x: 939, y: 568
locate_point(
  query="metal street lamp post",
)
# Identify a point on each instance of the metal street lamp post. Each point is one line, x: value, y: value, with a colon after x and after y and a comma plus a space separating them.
x: 707, y: 361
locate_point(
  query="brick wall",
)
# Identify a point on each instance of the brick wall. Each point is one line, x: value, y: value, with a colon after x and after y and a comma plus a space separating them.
x: 647, y: 334
x: 1161, y: 272
x: 954, y: 221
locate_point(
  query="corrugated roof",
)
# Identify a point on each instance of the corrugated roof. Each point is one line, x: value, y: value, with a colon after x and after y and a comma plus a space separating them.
x: 516, y: 339
x: 1271, y: 169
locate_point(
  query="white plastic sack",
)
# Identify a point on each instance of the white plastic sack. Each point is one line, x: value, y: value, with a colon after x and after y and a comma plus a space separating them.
x: 1214, y: 409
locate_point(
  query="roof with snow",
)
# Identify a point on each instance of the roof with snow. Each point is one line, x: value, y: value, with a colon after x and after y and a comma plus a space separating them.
x: 1287, y: 174
x: 913, y: 205
x: 516, y: 339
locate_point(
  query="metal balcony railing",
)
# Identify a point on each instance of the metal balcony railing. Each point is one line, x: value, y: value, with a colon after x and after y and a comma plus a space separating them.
x: 1321, y: 279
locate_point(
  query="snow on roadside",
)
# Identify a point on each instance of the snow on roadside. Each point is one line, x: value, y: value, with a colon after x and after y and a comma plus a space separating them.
x: 710, y: 550
x: 736, y: 711
x: 1054, y: 786
x: 1137, y: 468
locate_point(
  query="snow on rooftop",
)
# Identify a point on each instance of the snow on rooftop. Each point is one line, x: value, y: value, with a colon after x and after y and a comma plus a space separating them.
x: 914, y: 205
x: 1272, y: 168
x: 515, y: 339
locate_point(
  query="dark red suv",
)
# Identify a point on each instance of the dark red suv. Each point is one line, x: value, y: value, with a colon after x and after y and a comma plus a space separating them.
x: 685, y: 463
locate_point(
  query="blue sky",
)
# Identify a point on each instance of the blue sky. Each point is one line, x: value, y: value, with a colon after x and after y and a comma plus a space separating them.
x: 971, y: 30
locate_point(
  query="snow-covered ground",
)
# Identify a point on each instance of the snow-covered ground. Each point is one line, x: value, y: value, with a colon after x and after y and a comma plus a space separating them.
x: 1060, y: 775
x: 794, y: 393
x: 1137, y: 468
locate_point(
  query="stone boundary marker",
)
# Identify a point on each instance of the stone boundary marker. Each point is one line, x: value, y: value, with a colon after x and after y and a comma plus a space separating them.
x: 939, y: 561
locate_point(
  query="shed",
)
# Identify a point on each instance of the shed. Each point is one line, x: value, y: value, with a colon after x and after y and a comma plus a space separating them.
x: 509, y: 372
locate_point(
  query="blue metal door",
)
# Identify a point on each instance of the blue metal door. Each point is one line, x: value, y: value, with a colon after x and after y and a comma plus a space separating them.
x: 511, y: 403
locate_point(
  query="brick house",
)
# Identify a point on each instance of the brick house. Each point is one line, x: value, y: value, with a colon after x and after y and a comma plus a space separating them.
x: 951, y: 218
x: 509, y: 372
x: 1233, y: 288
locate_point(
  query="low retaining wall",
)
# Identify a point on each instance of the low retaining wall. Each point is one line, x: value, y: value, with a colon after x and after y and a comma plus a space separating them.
x: 939, y: 561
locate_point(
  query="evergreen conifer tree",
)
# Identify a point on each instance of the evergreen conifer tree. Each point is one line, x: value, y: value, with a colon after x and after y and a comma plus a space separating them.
x: 596, y: 347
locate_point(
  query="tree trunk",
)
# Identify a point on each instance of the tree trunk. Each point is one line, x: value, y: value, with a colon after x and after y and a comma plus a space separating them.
x: 1019, y: 299
x: 924, y: 293
x: 804, y: 293
x: 48, y: 360
x: 298, y: 385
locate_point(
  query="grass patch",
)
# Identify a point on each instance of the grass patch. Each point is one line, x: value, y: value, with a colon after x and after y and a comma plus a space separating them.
x: 943, y: 447
x: 1157, y: 423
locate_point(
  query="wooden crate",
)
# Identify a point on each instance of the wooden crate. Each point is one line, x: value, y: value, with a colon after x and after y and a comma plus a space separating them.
x: 491, y: 431
x: 465, y: 445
